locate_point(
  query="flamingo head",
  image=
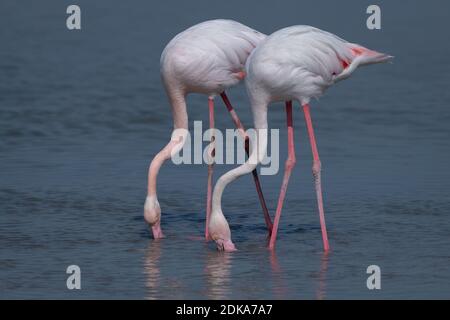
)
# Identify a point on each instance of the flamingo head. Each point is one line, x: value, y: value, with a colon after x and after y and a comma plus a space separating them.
x: 152, y: 214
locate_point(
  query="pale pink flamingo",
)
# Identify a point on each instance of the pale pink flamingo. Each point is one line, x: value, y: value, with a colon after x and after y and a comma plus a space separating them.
x: 207, y: 58
x: 294, y: 63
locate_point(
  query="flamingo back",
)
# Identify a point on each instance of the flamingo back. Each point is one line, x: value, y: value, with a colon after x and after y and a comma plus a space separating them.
x: 301, y: 62
x: 208, y: 57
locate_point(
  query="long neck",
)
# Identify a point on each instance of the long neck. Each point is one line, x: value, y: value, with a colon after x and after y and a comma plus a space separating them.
x: 177, y: 102
x: 258, y: 151
x: 259, y: 112
x: 177, y: 141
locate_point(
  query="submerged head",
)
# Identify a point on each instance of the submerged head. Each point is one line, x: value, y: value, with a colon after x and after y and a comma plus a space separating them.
x: 219, y: 231
x: 152, y: 215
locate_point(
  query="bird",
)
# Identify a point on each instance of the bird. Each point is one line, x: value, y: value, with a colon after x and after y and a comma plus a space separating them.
x: 207, y: 58
x: 296, y: 63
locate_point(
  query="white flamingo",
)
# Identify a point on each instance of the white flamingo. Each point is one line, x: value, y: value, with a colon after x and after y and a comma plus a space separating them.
x: 207, y: 58
x: 294, y: 63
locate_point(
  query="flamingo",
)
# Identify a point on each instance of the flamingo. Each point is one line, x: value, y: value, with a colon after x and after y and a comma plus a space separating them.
x: 207, y: 58
x: 295, y: 63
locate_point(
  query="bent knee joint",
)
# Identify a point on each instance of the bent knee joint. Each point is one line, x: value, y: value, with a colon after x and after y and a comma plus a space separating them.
x: 290, y: 163
x: 211, y: 155
x: 316, y: 168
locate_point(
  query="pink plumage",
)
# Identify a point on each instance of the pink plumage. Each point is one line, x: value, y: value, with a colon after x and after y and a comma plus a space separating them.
x: 301, y: 62
x: 295, y: 63
x: 207, y: 58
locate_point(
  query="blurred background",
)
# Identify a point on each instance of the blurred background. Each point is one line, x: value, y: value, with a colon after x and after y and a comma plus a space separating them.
x: 82, y: 113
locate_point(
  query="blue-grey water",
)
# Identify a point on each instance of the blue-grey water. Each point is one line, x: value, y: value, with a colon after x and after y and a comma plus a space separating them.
x: 83, y: 112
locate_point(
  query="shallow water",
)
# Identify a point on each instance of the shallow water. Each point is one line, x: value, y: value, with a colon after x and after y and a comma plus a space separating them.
x: 82, y: 114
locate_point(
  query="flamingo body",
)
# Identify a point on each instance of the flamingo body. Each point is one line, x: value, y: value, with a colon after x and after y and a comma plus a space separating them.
x: 301, y: 62
x: 295, y: 63
x: 208, y: 57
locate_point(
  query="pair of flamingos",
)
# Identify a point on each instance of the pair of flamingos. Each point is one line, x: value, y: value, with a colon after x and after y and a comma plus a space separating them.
x: 294, y: 63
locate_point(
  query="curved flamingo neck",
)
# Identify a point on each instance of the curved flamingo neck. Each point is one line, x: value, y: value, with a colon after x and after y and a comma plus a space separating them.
x: 177, y: 102
x: 180, y: 123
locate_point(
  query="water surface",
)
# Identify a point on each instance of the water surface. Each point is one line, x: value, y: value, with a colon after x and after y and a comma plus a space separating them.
x: 82, y: 113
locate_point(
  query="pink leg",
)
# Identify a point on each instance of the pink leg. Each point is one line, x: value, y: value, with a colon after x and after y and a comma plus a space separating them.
x: 241, y: 129
x: 210, y: 168
x: 316, y: 173
x: 290, y: 162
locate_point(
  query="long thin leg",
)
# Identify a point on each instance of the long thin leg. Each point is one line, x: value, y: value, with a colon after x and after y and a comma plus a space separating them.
x: 210, y: 167
x: 290, y: 162
x: 316, y: 174
x: 241, y: 129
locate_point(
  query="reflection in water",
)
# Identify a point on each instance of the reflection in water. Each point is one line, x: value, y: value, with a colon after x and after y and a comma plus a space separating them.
x: 218, y: 275
x: 280, y: 289
x: 151, y: 269
x: 321, y: 287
